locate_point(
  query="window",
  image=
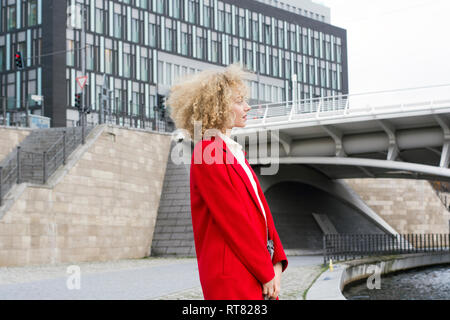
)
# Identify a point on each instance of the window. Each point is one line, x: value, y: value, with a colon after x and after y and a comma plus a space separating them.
x: 262, y: 62
x: 70, y: 53
x: 134, y: 30
x: 255, y: 31
x: 2, y: 59
x: 228, y: 22
x: 207, y: 16
x: 144, y: 4
x: 108, y: 61
x: 117, y: 25
x: 200, y: 47
x: 249, y: 58
x: 241, y: 27
x: 192, y: 12
x: 11, y: 17
x: 144, y: 69
x: 126, y: 65
x: 184, y: 43
x: 168, y: 74
x: 235, y: 54
x: 152, y: 35
x: 89, y: 57
x: 280, y: 37
x: 169, y: 39
x: 275, y: 66
x: 268, y: 34
x: 221, y: 21
x: 32, y: 12
x: 159, y: 6
x: 214, y: 51
x: 98, y: 20
x: 176, y: 8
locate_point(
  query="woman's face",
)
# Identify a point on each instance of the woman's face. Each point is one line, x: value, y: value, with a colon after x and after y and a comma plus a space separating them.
x: 240, y: 108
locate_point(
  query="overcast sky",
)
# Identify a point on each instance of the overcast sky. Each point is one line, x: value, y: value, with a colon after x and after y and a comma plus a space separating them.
x: 394, y: 44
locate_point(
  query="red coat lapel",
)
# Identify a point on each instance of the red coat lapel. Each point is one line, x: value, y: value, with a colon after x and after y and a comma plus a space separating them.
x: 242, y: 174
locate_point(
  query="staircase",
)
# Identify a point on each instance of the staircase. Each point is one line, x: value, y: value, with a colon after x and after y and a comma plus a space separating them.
x: 38, y: 156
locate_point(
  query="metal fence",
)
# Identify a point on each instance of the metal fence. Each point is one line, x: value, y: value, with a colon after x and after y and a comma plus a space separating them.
x: 36, y: 167
x: 340, y: 247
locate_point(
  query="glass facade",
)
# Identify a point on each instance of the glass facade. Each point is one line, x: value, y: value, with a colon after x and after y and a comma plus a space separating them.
x: 140, y: 44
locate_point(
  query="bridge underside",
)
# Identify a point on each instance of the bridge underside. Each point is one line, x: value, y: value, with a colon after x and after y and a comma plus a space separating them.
x: 353, y: 167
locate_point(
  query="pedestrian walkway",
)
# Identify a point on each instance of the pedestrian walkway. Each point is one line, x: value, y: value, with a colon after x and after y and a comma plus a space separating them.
x: 137, y: 279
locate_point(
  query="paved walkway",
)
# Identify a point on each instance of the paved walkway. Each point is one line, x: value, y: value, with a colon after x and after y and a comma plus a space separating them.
x: 137, y: 279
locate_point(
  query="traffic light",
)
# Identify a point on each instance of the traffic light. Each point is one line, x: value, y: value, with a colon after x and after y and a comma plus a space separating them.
x: 78, y: 97
x: 19, y: 63
x: 160, y: 102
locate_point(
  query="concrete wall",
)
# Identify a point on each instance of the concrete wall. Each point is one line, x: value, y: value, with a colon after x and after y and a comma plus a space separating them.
x: 102, y: 208
x: 10, y: 137
x: 330, y: 284
x: 409, y: 206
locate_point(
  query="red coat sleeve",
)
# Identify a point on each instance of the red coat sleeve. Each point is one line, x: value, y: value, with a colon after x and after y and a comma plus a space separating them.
x: 225, y: 205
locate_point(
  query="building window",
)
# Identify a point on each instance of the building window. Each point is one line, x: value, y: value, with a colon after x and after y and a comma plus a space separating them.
x: 192, y: 12
x: 144, y: 69
x: 262, y: 62
x: 241, y: 27
x: 184, y: 43
x: 98, y: 20
x: 108, y: 61
x: 144, y: 4
x: 89, y: 57
x: 267, y: 34
x: 207, y: 16
x: 11, y: 17
x: 152, y: 35
x: 32, y: 12
x: 214, y: 51
x: 159, y: 6
x: 2, y: 59
x: 135, y: 30
x: 126, y: 65
x: 200, y: 47
x: 117, y: 25
x: 70, y: 53
x: 221, y: 21
x: 169, y: 39
x: 255, y: 31
x: 227, y: 22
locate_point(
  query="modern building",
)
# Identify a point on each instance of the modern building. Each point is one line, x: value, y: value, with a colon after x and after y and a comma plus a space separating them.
x: 305, y: 8
x: 136, y: 49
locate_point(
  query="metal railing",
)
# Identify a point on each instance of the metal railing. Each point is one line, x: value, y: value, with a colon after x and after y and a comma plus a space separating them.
x: 341, y: 106
x: 36, y: 167
x: 341, y: 247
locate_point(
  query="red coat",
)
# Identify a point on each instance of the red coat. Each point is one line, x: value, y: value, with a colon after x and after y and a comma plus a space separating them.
x: 229, y: 227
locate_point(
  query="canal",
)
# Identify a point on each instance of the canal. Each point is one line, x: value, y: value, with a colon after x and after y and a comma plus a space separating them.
x: 427, y: 283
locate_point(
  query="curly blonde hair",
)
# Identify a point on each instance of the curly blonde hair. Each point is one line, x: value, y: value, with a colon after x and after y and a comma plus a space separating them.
x: 206, y: 97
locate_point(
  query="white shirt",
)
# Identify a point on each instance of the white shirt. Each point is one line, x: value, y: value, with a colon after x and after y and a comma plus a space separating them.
x: 237, y: 151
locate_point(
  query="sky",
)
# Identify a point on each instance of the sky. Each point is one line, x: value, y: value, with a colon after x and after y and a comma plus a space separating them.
x: 394, y: 44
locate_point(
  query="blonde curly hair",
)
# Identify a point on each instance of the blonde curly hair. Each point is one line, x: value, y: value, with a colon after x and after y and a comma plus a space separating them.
x: 206, y: 97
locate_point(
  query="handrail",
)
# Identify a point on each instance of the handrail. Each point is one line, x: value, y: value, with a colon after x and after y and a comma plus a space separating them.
x: 48, y: 166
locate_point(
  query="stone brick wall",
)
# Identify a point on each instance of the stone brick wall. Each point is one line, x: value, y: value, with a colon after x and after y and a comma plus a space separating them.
x: 104, y: 208
x: 10, y: 138
x: 409, y: 206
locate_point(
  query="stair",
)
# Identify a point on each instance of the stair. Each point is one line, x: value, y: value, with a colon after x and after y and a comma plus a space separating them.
x: 41, y: 153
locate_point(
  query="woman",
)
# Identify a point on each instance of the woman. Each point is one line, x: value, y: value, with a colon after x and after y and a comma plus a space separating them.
x: 230, y: 215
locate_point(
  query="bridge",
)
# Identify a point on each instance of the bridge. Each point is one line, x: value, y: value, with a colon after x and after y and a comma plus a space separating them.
x: 389, y: 134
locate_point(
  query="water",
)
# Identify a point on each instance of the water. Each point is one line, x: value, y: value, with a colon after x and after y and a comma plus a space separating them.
x: 430, y: 283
